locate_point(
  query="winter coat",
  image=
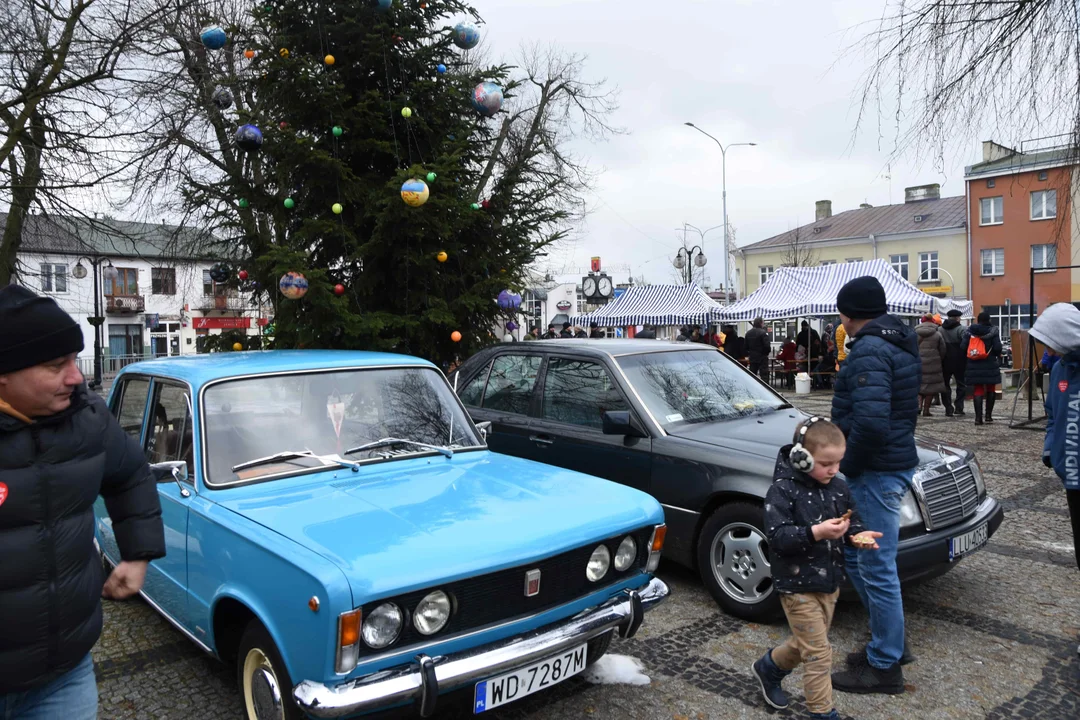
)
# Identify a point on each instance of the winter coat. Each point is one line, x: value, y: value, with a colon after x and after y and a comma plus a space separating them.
x: 758, y: 347
x: 841, y: 344
x: 1059, y: 327
x: 51, y: 472
x: 932, y: 352
x: 795, y: 503
x: 954, y: 334
x: 596, y: 333
x: 647, y: 334
x: 988, y: 371
x: 876, y: 398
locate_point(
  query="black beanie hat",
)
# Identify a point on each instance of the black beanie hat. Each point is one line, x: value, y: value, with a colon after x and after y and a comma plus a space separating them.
x: 862, y: 298
x: 954, y: 313
x: 34, y: 330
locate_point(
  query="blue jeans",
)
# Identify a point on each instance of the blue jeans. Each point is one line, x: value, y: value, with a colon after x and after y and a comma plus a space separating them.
x: 72, y: 696
x: 877, y: 498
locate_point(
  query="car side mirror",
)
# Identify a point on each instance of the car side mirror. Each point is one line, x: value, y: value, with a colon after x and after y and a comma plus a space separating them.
x: 177, y: 470
x: 485, y: 429
x: 621, y: 422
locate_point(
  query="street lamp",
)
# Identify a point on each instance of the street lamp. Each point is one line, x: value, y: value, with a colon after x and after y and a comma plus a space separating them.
x: 98, y: 320
x: 686, y: 259
x: 701, y: 233
x: 727, y: 235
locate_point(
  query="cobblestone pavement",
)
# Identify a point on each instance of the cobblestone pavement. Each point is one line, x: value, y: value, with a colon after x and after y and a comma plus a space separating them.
x: 995, y: 638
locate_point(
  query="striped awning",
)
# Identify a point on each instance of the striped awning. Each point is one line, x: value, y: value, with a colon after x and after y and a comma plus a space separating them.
x: 808, y: 291
x: 655, y: 305
x: 942, y: 306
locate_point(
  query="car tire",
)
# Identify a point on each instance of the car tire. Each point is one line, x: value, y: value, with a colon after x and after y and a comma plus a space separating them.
x: 733, y: 562
x: 264, y: 682
x: 598, y: 647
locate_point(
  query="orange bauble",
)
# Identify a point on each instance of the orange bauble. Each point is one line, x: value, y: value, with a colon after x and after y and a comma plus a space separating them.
x: 249, y: 54
x: 455, y: 336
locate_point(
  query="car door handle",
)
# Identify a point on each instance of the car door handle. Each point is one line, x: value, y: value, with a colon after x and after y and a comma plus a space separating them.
x: 542, y: 440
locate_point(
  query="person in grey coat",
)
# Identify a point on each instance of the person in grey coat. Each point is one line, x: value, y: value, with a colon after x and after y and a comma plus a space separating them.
x: 932, y: 354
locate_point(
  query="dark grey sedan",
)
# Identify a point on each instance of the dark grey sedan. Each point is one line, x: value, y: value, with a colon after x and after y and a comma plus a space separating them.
x: 693, y: 428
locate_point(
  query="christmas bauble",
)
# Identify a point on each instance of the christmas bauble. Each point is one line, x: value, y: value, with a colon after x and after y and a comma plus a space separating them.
x: 219, y: 272
x: 249, y: 54
x: 385, y: 4
x: 237, y: 347
x: 283, y: 125
x: 249, y: 138
x: 284, y: 52
x: 329, y: 60
x: 487, y: 98
x: 509, y: 300
x: 486, y: 204
x: 222, y: 98
x: 414, y: 192
x: 289, y: 203
x: 406, y: 112
x: 243, y: 275
x: 213, y: 37
x: 338, y: 132
x: 442, y: 256
x: 337, y: 208
x: 466, y: 36
x: 293, y: 285
x: 475, y: 206
x: 511, y: 326
x: 431, y: 177
x: 339, y: 289
x: 455, y: 336
x: 440, y: 68
x: 242, y: 203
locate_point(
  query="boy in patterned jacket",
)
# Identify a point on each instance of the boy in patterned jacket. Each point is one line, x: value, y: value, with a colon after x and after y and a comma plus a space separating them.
x: 809, y: 516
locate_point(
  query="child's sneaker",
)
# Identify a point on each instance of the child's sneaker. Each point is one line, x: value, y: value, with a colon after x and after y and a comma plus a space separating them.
x: 770, y: 677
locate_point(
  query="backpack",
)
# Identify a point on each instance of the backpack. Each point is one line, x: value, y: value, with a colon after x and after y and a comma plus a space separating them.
x: 977, y: 349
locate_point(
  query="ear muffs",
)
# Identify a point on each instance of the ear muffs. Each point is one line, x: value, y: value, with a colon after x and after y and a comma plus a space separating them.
x: 800, y: 457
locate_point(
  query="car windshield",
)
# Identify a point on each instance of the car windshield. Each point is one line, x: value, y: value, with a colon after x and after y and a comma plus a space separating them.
x: 696, y: 386
x: 319, y: 416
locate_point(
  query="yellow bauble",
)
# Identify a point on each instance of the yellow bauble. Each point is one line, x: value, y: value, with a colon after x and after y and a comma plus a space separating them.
x: 442, y: 256
x: 329, y: 60
x: 284, y: 52
x: 237, y: 346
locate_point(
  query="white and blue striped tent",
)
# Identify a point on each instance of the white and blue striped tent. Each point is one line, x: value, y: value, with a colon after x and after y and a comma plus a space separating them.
x: 655, y: 305
x: 794, y: 292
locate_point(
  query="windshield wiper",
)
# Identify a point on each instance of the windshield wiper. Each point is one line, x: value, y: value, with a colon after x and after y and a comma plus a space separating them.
x: 385, y: 442
x: 287, y: 455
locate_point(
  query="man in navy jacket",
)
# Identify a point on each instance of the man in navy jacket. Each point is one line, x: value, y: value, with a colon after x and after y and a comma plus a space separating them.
x: 876, y: 404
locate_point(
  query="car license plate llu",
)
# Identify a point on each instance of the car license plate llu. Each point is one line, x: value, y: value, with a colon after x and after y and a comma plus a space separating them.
x: 967, y: 543
x: 519, y: 683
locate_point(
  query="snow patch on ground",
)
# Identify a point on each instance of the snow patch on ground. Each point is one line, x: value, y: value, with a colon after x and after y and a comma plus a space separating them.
x: 617, y: 670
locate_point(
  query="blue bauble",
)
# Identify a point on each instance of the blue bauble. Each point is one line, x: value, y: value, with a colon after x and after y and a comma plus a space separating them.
x: 440, y: 68
x: 385, y: 4
x: 487, y: 98
x: 508, y: 300
x: 249, y: 138
x: 466, y: 36
x: 213, y: 37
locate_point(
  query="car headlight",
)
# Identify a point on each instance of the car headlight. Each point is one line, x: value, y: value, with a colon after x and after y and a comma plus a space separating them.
x: 980, y: 484
x: 599, y: 563
x: 432, y: 613
x: 626, y: 554
x: 382, y: 626
x: 910, y: 515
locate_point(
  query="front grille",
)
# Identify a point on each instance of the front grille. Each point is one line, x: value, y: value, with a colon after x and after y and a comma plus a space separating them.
x: 500, y: 596
x: 950, y: 497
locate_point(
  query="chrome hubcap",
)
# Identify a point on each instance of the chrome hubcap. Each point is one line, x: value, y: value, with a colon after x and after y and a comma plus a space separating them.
x: 740, y: 563
x: 262, y: 696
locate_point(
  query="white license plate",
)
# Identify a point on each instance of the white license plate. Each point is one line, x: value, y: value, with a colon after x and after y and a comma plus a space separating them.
x: 967, y: 543
x: 516, y: 685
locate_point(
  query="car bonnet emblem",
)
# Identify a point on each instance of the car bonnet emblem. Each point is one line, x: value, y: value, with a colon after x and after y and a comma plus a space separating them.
x: 532, y: 583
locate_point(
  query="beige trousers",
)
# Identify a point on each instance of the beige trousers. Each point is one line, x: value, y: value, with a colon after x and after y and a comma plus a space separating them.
x: 809, y: 616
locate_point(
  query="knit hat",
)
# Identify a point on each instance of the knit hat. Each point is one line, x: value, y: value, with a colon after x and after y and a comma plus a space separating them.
x: 34, y: 330
x: 862, y: 298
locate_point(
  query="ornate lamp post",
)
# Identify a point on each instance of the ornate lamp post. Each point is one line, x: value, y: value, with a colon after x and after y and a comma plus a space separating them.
x: 688, y: 259
x: 110, y: 273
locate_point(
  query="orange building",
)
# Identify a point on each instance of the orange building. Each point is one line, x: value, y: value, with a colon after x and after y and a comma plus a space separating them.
x: 1021, y: 210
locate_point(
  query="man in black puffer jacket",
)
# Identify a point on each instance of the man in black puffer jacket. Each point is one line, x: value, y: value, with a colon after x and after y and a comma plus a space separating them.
x: 60, y: 449
x: 876, y: 404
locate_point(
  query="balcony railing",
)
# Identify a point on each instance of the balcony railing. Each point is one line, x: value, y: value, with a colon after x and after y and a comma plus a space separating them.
x: 234, y: 303
x: 124, y: 304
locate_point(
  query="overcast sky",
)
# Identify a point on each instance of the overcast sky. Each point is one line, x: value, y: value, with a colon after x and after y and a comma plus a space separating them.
x: 766, y: 71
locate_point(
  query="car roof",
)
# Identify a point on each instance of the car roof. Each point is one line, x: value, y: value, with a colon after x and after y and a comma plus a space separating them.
x: 613, y: 347
x: 201, y: 369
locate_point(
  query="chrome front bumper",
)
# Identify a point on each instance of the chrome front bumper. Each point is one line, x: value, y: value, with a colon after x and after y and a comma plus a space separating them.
x: 421, y: 681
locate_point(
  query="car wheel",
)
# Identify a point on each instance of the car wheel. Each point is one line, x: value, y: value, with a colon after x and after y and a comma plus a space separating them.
x: 733, y: 560
x: 264, y: 682
x: 598, y: 647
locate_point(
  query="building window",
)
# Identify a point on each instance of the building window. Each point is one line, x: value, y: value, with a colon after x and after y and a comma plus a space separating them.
x: 928, y: 267
x: 163, y: 281
x: 1043, y: 175
x: 1043, y: 204
x: 993, y: 261
x: 990, y: 183
x: 126, y: 282
x: 1010, y: 317
x: 992, y: 210
x: 764, y: 273
x: 210, y: 287
x: 828, y: 262
x: 849, y: 260
x: 900, y: 264
x: 53, y: 278
x: 1043, y: 256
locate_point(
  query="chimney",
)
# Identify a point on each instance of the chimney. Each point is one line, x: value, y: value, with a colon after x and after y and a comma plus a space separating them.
x: 992, y: 151
x: 865, y: 206
x: 822, y: 210
x: 920, y: 193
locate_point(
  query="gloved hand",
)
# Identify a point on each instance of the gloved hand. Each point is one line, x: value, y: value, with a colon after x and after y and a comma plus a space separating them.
x: 1046, y: 461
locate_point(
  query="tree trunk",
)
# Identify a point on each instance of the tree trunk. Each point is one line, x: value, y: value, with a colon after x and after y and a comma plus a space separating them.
x: 24, y: 187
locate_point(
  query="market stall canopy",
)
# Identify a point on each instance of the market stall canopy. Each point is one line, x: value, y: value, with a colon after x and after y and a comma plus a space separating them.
x: 655, y: 305
x: 943, y: 305
x: 808, y: 291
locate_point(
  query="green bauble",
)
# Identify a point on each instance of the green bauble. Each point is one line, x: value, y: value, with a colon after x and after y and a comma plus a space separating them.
x: 289, y: 203
x: 338, y: 132
x: 431, y: 177
x: 243, y: 203
x: 475, y: 206
x: 337, y: 208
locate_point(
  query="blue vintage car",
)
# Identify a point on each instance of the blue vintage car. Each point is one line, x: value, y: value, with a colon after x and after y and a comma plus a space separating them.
x: 337, y: 528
